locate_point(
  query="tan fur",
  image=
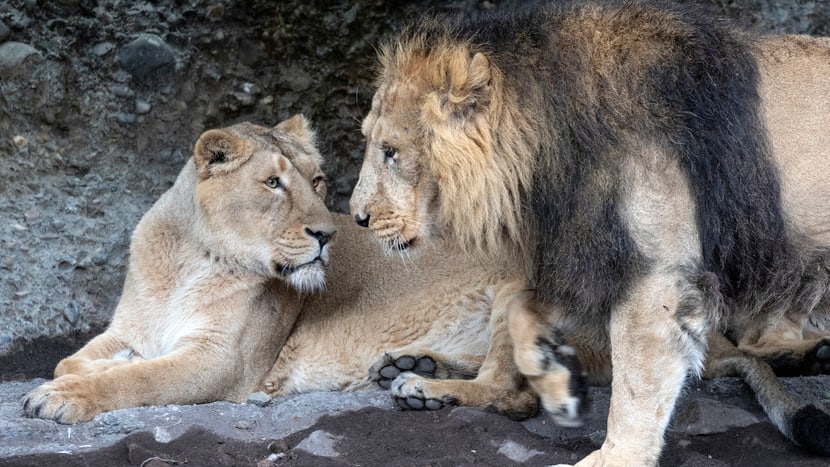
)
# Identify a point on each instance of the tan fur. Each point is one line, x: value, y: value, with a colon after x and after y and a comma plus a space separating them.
x: 210, y: 292
x: 439, y: 304
x: 473, y: 182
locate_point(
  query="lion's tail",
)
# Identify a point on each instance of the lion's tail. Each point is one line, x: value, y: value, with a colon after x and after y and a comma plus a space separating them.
x: 805, y: 425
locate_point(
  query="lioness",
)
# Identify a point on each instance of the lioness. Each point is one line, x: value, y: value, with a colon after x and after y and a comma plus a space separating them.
x: 655, y: 168
x: 226, y: 261
x: 211, y: 288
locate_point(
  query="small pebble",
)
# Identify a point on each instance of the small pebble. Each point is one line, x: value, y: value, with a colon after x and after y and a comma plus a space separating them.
x: 142, y: 107
x: 20, y: 141
x: 122, y: 91
x: 102, y: 48
x: 215, y: 12
x: 72, y: 312
x: 125, y: 118
x: 259, y: 399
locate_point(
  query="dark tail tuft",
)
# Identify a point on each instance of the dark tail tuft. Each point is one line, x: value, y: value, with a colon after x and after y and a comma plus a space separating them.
x: 811, y: 430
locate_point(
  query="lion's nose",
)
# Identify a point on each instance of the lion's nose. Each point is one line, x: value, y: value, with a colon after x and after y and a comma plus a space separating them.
x: 364, y: 222
x: 322, y: 237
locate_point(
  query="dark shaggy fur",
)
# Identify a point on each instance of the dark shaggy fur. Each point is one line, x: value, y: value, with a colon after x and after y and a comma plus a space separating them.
x: 600, y: 78
x: 811, y: 430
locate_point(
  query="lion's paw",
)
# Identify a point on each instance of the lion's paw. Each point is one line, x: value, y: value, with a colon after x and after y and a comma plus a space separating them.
x: 67, y: 399
x: 411, y: 392
x: 389, y: 367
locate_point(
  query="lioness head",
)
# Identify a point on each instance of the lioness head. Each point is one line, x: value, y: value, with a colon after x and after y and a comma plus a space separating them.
x: 434, y: 162
x: 260, y: 196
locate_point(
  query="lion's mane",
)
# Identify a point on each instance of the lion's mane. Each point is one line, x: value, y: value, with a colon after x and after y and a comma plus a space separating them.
x: 533, y: 139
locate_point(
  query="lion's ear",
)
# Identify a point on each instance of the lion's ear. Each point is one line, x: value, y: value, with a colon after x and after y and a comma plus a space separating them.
x: 219, y: 151
x: 468, y: 93
x: 479, y: 76
x: 298, y: 126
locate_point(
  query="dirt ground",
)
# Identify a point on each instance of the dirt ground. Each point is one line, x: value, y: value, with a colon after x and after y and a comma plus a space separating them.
x: 387, y: 436
x: 373, y: 437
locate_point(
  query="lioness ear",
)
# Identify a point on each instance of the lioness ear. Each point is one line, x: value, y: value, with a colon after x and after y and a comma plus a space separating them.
x: 298, y: 126
x: 219, y: 151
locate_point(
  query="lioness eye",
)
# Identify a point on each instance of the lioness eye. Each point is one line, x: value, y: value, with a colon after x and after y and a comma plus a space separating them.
x: 388, y: 152
x: 273, y: 182
x: 317, y: 181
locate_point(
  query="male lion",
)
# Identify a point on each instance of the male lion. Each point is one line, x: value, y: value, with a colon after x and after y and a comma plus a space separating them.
x: 661, y: 173
x: 199, y: 319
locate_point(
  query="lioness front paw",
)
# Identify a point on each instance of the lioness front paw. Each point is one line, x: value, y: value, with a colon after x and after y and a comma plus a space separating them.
x: 411, y: 392
x: 389, y: 367
x: 68, y: 399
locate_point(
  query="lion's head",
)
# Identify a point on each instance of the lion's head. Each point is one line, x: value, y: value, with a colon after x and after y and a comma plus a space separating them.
x: 259, y: 193
x: 444, y: 154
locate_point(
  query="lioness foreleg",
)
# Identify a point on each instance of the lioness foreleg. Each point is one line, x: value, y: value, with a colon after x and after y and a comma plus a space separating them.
x: 187, y: 375
x: 99, y: 354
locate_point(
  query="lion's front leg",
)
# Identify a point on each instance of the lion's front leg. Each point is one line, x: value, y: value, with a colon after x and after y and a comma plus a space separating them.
x: 177, y: 378
x: 658, y: 337
x: 553, y: 369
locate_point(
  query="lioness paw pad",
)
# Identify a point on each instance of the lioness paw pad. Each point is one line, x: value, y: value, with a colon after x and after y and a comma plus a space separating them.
x: 410, y: 392
x: 822, y: 356
x: 390, y: 367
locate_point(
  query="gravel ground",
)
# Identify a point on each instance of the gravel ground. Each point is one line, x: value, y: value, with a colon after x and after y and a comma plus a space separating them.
x: 716, y: 424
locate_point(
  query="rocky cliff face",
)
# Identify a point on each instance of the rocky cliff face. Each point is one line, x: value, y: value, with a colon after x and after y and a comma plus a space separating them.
x: 101, y: 101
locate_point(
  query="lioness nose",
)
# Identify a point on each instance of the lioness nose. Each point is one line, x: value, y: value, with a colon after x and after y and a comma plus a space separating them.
x: 364, y: 222
x: 322, y: 237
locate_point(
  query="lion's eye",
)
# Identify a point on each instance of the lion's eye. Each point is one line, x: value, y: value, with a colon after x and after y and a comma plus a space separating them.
x: 388, y: 153
x: 273, y: 182
x: 318, y: 180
